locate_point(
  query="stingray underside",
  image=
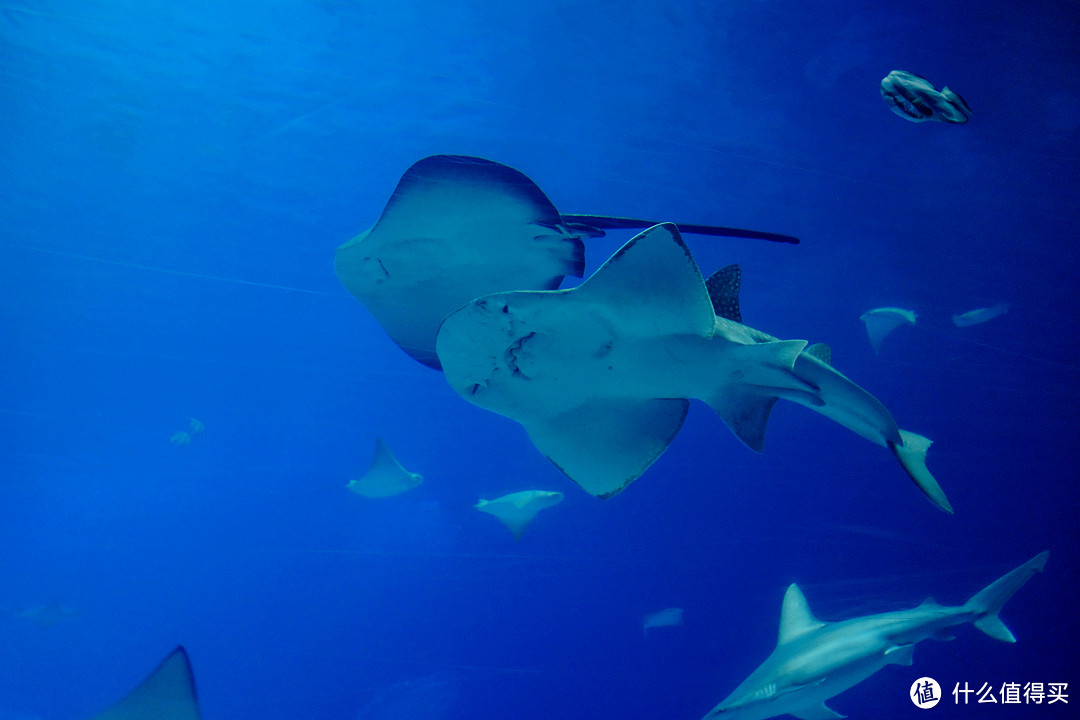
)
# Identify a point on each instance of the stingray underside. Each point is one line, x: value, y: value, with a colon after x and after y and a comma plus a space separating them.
x: 456, y: 228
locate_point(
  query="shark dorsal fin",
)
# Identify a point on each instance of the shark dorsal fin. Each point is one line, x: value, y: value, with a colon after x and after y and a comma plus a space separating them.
x: 654, y: 277
x: 168, y: 693
x: 821, y: 351
x: 928, y: 601
x: 795, y: 617
x: 723, y: 286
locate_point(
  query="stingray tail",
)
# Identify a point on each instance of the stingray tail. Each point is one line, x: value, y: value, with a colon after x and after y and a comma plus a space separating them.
x: 598, y: 223
x: 911, y: 453
x: 987, y: 603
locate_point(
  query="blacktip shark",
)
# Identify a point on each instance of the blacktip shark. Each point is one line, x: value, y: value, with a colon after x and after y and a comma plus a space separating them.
x: 915, y: 98
x: 815, y: 660
x: 517, y: 510
x: 599, y: 375
x: 459, y: 227
x: 386, y: 477
x: 882, y: 321
x: 167, y: 693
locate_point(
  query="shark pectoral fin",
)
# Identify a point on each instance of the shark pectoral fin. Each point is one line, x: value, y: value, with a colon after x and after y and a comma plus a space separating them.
x: 900, y: 654
x: 604, y: 446
x: 747, y: 414
x: 818, y: 712
x: 912, y: 455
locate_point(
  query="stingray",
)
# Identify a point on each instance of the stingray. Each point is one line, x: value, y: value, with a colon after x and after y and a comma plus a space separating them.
x: 915, y: 98
x: 882, y: 321
x: 668, y: 617
x: 457, y: 228
x: 979, y: 315
x: 168, y: 693
x: 518, y: 509
x: 385, y: 477
x: 600, y: 375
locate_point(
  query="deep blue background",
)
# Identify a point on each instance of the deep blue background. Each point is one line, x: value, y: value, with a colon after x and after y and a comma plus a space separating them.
x: 175, y: 178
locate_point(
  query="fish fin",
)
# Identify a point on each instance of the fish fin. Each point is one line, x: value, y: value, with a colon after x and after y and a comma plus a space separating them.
x: 900, y: 654
x: 821, y: 351
x: 604, y: 446
x: 795, y: 617
x: 653, y: 283
x: 912, y: 455
x: 987, y: 603
x: 723, y: 286
x: 817, y: 712
x: 167, y: 693
x: 747, y: 414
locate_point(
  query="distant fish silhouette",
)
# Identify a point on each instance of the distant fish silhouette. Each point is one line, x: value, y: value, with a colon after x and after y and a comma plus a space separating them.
x: 882, y: 321
x: 168, y: 693
x: 51, y: 614
x: 518, y: 509
x: 979, y: 315
x: 668, y: 617
x: 459, y: 227
x: 914, y: 98
x: 184, y: 437
x: 386, y: 477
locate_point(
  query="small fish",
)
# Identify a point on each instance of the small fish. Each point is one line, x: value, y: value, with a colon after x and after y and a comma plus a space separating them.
x: 180, y: 438
x: 668, y: 617
x: 979, y: 315
x: 916, y: 99
x: 882, y: 321
x: 196, y: 426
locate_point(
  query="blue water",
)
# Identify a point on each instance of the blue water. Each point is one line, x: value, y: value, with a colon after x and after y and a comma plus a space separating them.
x: 176, y: 177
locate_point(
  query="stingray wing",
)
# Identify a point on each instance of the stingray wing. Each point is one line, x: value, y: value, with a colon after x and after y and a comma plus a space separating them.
x: 456, y: 228
x: 168, y: 693
x: 605, y: 446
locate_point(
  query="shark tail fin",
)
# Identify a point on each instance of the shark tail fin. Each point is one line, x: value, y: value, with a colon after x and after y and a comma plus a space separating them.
x: 988, y: 602
x: 911, y: 453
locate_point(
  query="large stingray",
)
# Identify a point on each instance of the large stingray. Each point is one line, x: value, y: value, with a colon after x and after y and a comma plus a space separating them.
x: 599, y: 375
x: 168, y: 693
x: 457, y: 228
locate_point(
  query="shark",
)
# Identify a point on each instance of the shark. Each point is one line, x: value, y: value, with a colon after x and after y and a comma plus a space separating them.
x: 517, y: 510
x: 167, y: 693
x: 601, y: 375
x: 815, y: 660
x: 386, y: 477
x: 458, y: 227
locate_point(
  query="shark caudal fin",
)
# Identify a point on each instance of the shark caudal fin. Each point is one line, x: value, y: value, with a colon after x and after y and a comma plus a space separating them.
x: 912, y: 455
x: 988, y: 602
